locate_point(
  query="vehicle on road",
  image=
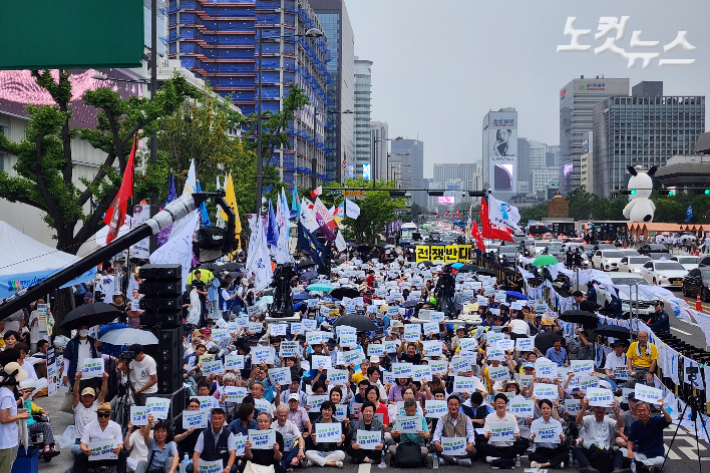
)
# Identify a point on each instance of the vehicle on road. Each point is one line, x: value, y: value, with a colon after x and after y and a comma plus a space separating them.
x: 630, y: 252
x: 633, y: 264
x: 697, y: 282
x: 607, y: 260
x: 664, y: 273
x: 653, y: 248
x: 688, y: 262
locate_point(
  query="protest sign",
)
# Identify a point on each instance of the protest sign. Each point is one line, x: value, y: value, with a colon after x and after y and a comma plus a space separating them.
x: 435, y: 409
x: 196, y: 419
x: 453, y: 446
x: 158, y: 406
x: 390, y: 346
x: 582, y: 367
x: 280, y: 376
x: 621, y: 372
x: 309, y: 324
x: 338, y: 377
x: 350, y: 357
x: 368, y: 440
x: 525, y: 379
x: 505, y: 345
x: 297, y: 328
x: 289, y: 349
x: 240, y: 444
x: 262, y: 439
x: 521, y: 407
x: 234, y: 393
x: 498, y: 373
x: 502, y: 432
x: 572, y: 405
x: 206, y: 402
x: 341, y: 412
x: 545, y: 391
x: 495, y: 354
x: 547, y: 433
x: 421, y: 372
x: 212, y: 367
x: 432, y: 347
x: 278, y: 330
x: 255, y: 327
x: 210, y: 466
x: 524, y: 344
x: 139, y: 415
x: 328, y: 432
x: 262, y: 354
x: 647, y: 393
x: 409, y: 424
x: 262, y: 405
x: 316, y: 338
x: 315, y: 400
x: 375, y: 349
x: 464, y: 384
x: 545, y: 369
x: 468, y: 344
x: 430, y: 327
x: 438, y: 366
x: 92, y: 368
x: 412, y: 332
x: 402, y: 370
x: 321, y: 361
x: 102, y: 450
x: 599, y: 397
x: 586, y: 382
x: 348, y: 341
x: 235, y: 362
x: 460, y: 365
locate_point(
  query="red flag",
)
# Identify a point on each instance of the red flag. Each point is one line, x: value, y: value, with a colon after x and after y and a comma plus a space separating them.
x: 316, y: 192
x: 476, y: 234
x: 493, y: 233
x: 116, y: 213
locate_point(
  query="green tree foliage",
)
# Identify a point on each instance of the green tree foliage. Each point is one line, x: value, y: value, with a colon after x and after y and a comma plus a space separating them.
x: 377, y: 210
x: 583, y: 206
x: 533, y: 213
x: 45, y: 164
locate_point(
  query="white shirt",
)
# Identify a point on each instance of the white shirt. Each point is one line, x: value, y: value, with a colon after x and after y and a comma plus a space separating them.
x: 29, y: 369
x: 520, y: 327
x: 200, y: 444
x: 93, y: 433
x: 83, y: 353
x: 289, y: 430
x: 83, y: 416
x: 600, y: 433
x: 139, y: 450
x: 508, y: 418
x: 8, y: 432
x: 613, y: 361
x: 141, y: 371
x: 35, y: 329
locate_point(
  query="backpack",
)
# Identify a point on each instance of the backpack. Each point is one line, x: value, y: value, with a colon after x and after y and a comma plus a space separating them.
x: 503, y: 463
x: 408, y: 455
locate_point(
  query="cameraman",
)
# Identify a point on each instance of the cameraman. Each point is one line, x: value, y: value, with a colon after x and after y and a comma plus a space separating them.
x: 143, y: 374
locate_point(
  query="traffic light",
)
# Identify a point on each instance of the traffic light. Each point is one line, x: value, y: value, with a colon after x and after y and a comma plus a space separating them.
x: 669, y: 192
x: 437, y: 215
x: 628, y: 192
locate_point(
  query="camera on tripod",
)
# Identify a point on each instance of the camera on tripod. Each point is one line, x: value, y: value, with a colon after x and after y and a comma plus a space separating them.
x: 691, y: 371
x: 127, y: 355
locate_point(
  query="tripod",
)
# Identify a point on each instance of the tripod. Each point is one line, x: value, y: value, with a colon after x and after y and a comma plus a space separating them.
x: 695, y: 405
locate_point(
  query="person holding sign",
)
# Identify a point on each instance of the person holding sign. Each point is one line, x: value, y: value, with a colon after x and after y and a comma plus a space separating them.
x: 455, y: 424
x: 326, y: 454
x: 616, y: 361
x: 420, y: 437
x: 647, y: 434
x: 549, y: 452
x: 599, y: 432
x: 294, y: 445
x: 102, y: 429
x: 162, y: 451
x: 84, y: 405
x: 641, y: 360
x: 187, y: 438
x: 270, y: 456
x: 215, y: 443
x: 501, y: 418
x: 368, y: 422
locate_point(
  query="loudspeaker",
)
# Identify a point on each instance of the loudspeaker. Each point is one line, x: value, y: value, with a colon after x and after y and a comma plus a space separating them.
x: 158, y: 305
x: 164, y: 272
x: 160, y: 288
x: 161, y: 320
x: 168, y: 355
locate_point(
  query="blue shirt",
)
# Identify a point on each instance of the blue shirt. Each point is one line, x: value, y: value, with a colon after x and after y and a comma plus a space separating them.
x: 555, y: 357
x: 649, y: 439
x: 161, y: 457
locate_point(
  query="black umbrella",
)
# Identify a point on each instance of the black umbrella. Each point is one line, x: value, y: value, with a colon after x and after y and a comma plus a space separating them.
x: 410, y: 304
x: 364, y: 248
x: 359, y: 322
x: 97, y: 313
x: 587, y: 319
x: 468, y: 267
x: 305, y: 263
x: 236, y: 274
x: 341, y: 292
x: 428, y: 264
x: 486, y: 271
x: 613, y: 331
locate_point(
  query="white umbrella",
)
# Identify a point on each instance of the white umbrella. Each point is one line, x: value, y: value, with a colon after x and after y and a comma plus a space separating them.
x: 129, y: 336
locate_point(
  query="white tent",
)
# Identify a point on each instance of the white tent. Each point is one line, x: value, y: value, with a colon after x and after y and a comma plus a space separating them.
x: 25, y: 262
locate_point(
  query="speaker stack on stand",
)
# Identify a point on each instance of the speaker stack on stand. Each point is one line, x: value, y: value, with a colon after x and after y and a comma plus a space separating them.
x: 161, y: 304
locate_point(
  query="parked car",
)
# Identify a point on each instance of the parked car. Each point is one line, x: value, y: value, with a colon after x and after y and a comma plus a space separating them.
x: 697, y: 282
x: 633, y: 264
x: 629, y: 252
x: 688, y: 262
x: 664, y: 273
x: 653, y: 248
x: 607, y: 260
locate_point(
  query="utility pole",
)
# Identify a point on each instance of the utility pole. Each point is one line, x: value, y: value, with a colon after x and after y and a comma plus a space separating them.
x: 259, y: 158
x: 153, y: 244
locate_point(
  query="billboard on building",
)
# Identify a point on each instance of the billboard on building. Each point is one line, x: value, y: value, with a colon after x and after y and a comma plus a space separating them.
x: 366, y: 171
x: 446, y: 200
x: 503, y: 154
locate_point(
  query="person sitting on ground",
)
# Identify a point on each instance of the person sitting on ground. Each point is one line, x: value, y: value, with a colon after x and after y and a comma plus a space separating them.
x: 420, y: 438
x: 162, y: 450
x: 646, y: 434
x: 495, y: 449
x: 597, y: 438
x: 326, y: 454
x: 215, y: 443
x: 101, y: 429
x: 266, y: 457
x: 455, y: 424
x: 294, y: 445
x: 367, y: 421
x: 547, y: 454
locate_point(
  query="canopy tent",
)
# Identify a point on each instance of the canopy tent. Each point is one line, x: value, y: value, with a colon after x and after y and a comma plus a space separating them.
x: 25, y: 262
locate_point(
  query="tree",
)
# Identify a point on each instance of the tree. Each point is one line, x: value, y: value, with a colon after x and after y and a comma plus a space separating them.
x: 45, y: 163
x: 534, y: 213
x: 377, y: 210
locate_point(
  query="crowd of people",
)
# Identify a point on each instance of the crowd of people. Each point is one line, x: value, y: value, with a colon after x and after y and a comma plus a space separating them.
x: 325, y: 393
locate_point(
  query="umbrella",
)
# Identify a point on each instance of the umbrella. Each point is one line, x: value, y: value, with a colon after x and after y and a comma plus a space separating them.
x: 457, y: 266
x: 468, y: 267
x: 614, y: 331
x: 410, y: 304
x: 360, y: 322
x: 517, y: 295
x: 301, y: 297
x: 545, y: 260
x: 587, y: 319
x: 129, y: 336
x: 97, y: 313
x: 320, y: 287
x: 236, y: 274
x: 341, y: 292
x: 427, y: 264
x: 404, y: 243
x: 486, y: 271
x: 305, y: 263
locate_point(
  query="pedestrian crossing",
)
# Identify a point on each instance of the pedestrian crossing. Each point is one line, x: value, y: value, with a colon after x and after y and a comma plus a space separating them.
x: 685, y: 446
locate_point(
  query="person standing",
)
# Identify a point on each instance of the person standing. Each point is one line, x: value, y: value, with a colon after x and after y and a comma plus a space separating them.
x: 12, y: 374
x: 660, y: 321
x: 76, y: 352
x: 143, y: 374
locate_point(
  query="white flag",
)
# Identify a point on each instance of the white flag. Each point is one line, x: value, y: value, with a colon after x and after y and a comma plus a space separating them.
x: 351, y: 209
x: 178, y: 248
x: 340, y: 242
x: 322, y: 210
x: 260, y: 264
x: 191, y: 181
x: 308, y: 218
x: 503, y: 214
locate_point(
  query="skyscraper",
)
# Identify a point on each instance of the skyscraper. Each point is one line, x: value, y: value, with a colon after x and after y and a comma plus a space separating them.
x: 219, y: 44
x: 645, y: 129
x: 339, y: 134
x: 523, y: 165
x: 379, y: 134
x: 500, y: 152
x: 464, y: 171
x: 407, y: 167
x: 577, y: 99
x: 363, y: 108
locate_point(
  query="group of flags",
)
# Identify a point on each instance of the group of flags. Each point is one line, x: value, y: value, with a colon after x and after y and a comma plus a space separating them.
x: 498, y: 219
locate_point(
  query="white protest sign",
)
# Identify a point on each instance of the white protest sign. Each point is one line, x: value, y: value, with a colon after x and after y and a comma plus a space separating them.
x: 409, y: 425
x: 505, y: 345
x: 545, y: 369
x: 328, y: 432
x: 430, y: 327
x: 262, y: 354
x: 297, y: 328
x: 495, y: 354
x: 547, y: 433
x: 262, y: 439
x: 210, y: 466
x: 280, y: 376
x: 524, y: 344
x: 350, y: 357
x: 412, y: 332
x: 240, y: 444
x: 338, y: 377
x: 390, y: 346
x: 582, y: 367
x: 196, y: 419
x: 498, y: 373
x: 586, y: 382
x: 309, y: 324
x: 502, y: 432
x: 289, y: 349
x: 368, y: 440
x: 460, y: 365
x: 102, y: 450
x: 92, y: 368
x: 402, y: 370
x: 278, y: 330
x: 454, y: 446
x: 158, y: 406
x: 235, y: 393
x: 438, y: 366
x: 464, y: 384
x: 599, y: 397
x: 468, y: 344
x: 315, y: 400
x: 262, y: 405
x: 234, y: 362
x: 432, y: 347
x: 139, y: 415
x: 521, y: 407
x: 348, y: 341
x: 525, y: 379
x: 212, y: 367
x: 435, y: 409
x: 545, y: 391
x: 375, y: 349
x: 206, y: 402
x: 421, y: 372
x: 321, y: 361
x: 647, y: 393
x: 621, y: 372
x: 572, y: 405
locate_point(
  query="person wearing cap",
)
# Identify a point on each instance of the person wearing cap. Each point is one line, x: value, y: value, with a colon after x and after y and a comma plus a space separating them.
x: 84, y: 405
x: 119, y: 303
x: 615, y: 360
x: 101, y: 429
x: 11, y: 376
x: 660, y: 322
x: 143, y: 374
x: 88, y: 298
x: 27, y: 388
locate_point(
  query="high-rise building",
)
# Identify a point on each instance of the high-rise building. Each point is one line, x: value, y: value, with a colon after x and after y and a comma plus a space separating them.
x: 538, y: 155
x: 363, y: 109
x: 577, y: 99
x: 379, y: 135
x: 552, y: 157
x: 586, y: 163
x: 644, y: 129
x: 407, y: 167
x: 147, y: 24
x: 523, y: 165
x: 542, y: 178
x: 339, y: 133
x: 219, y: 43
x: 464, y: 171
x: 500, y: 152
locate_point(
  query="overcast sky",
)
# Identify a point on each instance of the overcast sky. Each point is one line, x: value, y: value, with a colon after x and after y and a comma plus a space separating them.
x: 440, y: 66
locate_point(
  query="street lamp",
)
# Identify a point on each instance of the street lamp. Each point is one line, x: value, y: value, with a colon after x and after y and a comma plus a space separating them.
x: 311, y: 33
x: 374, y: 153
x: 340, y: 113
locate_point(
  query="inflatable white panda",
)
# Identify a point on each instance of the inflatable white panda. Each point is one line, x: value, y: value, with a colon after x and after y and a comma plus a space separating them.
x: 640, y: 209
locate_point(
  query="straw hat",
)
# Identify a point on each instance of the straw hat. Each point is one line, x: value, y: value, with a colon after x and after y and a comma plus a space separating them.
x: 13, y: 369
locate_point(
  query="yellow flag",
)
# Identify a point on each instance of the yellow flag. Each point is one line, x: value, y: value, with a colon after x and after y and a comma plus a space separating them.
x: 231, y: 200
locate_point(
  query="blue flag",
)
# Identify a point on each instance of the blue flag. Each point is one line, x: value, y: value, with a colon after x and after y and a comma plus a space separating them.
x: 307, y: 241
x: 272, y: 231
x: 204, y: 217
x: 295, y: 204
x: 689, y: 213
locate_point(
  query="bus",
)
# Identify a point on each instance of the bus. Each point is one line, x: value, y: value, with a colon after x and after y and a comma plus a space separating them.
x: 538, y: 229
x: 408, y: 231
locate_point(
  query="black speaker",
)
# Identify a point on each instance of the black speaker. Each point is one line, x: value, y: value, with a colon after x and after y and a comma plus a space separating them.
x: 162, y: 320
x: 159, y: 305
x: 160, y: 288
x: 164, y: 272
x: 168, y: 355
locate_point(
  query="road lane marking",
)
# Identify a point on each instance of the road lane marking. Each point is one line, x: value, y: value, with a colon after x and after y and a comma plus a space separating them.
x: 680, y: 331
